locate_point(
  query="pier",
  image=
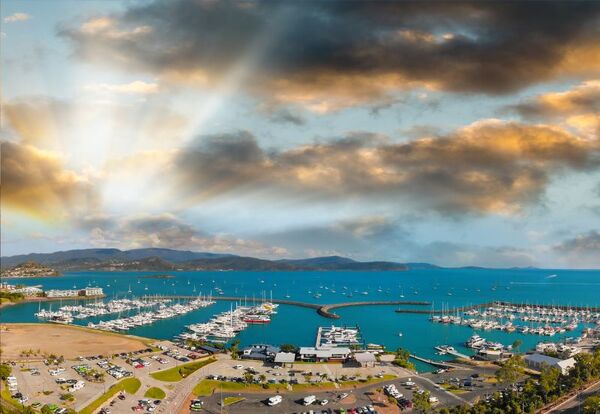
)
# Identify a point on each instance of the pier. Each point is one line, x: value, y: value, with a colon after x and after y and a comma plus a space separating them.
x: 453, y: 353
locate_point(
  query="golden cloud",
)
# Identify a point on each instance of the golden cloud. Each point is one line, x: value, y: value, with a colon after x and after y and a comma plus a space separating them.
x: 488, y: 167
x: 36, y: 183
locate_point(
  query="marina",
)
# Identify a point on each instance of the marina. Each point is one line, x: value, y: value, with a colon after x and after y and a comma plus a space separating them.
x: 297, y: 319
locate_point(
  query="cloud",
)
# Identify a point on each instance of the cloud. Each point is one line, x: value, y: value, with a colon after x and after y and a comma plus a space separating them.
x: 487, y: 167
x: 327, y: 57
x: 17, y: 17
x: 167, y: 231
x: 59, y: 125
x: 35, y: 182
x: 582, y: 99
x: 578, y: 107
x: 581, y: 251
x: 282, y: 116
x: 460, y: 254
x: 135, y: 88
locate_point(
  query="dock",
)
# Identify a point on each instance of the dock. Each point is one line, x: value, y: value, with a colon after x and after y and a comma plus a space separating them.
x: 453, y: 353
x: 439, y: 364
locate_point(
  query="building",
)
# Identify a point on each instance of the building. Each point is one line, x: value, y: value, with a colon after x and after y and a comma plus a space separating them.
x: 28, y: 290
x: 538, y: 361
x: 285, y: 359
x: 92, y: 291
x: 365, y: 359
x: 324, y: 354
x: 261, y: 352
x: 56, y: 293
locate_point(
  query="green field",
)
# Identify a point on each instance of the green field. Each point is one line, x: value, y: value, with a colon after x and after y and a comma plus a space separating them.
x: 129, y: 385
x: 155, y: 393
x: 178, y: 373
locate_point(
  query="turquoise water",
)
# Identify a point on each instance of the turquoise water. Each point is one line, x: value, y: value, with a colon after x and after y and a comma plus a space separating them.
x: 379, y: 324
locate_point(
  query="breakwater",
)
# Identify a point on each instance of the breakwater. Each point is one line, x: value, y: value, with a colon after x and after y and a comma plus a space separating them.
x: 323, y: 310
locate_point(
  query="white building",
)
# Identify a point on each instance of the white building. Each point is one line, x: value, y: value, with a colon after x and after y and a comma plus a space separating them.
x: 538, y: 361
x: 28, y: 290
x: 93, y: 291
x: 56, y: 293
x: 324, y: 354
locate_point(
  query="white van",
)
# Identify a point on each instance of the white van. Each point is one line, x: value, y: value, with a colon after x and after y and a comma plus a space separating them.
x: 274, y: 400
x: 309, y: 400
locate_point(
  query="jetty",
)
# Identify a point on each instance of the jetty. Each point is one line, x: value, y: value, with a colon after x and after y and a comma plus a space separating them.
x: 439, y: 364
x: 452, y: 352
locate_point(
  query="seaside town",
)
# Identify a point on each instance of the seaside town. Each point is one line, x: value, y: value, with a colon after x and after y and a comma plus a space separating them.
x: 300, y: 207
x: 206, y: 369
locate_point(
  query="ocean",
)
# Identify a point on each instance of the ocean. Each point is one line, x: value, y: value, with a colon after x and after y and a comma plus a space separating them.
x: 378, y: 324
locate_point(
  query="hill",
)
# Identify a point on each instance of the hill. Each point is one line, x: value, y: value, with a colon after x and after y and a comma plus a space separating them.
x: 170, y: 259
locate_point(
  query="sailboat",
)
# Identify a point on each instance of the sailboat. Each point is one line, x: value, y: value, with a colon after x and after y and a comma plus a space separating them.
x: 129, y: 290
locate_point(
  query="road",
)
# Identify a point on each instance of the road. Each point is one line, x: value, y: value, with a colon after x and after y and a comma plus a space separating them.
x: 574, y: 404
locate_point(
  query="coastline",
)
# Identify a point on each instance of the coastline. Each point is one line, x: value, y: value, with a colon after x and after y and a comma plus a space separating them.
x: 33, y: 299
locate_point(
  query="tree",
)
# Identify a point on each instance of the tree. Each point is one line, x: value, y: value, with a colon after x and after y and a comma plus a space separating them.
x: 517, y: 344
x: 401, y: 359
x: 234, y: 349
x: 248, y: 377
x: 5, y: 371
x: 421, y: 402
x: 288, y: 348
x: 262, y: 378
x: 592, y: 405
x: 511, y: 370
x: 549, y: 382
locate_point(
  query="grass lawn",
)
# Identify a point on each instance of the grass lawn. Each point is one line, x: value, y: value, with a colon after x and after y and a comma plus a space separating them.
x: 129, y: 385
x: 7, y: 401
x: 178, y: 373
x: 206, y: 387
x: 232, y: 400
x: 155, y: 393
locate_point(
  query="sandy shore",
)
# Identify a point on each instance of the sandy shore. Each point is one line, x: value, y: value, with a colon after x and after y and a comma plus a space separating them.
x: 69, y: 341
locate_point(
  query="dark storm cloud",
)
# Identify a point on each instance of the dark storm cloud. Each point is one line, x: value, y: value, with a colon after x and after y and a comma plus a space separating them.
x: 488, y: 167
x: 328, y: 55
x: 582, y: 250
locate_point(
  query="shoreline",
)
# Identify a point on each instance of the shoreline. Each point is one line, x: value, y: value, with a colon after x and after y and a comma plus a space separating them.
x: 34, y: 299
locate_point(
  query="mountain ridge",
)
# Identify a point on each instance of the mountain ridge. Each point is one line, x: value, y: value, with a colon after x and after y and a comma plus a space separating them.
x: 171, y: 259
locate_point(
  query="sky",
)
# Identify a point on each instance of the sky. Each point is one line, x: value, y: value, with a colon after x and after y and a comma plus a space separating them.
x: 456, y: 133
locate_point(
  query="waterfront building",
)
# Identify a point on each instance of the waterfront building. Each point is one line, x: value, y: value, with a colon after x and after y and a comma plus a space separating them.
x: 261, y: 352
x: 93, y: 291
x: 28, y: 290
x: 365, y: 359
x: 538, y: 361
x: 57, y: 293
x: 324, y: 354
x: 285, y: 359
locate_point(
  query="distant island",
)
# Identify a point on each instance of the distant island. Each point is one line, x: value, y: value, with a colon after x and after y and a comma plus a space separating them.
x: 29, y: 269
x: 155, y: 259
x: 157, y: 277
